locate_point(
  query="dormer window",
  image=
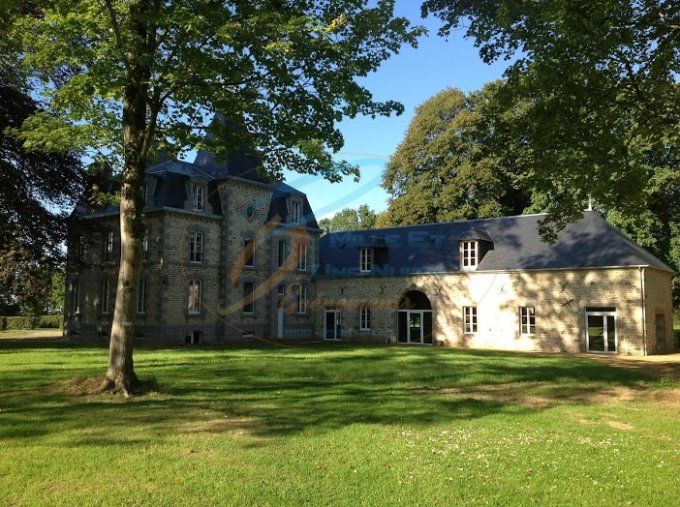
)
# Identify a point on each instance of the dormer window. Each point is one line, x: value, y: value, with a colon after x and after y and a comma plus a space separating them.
x: 296, y: 212
x: 469, y: 254
x: 198, y: 197
x: 365, y: 260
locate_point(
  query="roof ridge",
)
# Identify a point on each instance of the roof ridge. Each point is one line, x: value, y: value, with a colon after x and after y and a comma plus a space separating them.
x: 442, y: 223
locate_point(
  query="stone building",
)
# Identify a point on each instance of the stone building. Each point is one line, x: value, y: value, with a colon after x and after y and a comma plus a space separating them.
x: 227, y: 257
x: 230, y: 257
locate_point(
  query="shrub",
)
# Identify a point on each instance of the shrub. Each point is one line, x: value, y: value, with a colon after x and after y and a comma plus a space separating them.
x: 51, y: 321
x: 31, y: 322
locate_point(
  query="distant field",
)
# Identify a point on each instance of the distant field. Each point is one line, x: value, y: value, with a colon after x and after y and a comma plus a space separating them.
x: 340, y: 425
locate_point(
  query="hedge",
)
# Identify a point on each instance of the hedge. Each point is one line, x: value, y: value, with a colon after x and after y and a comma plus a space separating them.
x: 31, y: 322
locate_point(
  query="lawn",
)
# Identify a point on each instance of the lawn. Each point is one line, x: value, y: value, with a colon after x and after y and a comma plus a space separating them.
x: 340, y: 424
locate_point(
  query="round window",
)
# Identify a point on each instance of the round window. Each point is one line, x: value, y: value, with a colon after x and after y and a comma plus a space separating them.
x: 250, y: 212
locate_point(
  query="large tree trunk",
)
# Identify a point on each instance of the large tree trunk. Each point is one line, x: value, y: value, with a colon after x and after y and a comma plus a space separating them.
x: 120, y: 374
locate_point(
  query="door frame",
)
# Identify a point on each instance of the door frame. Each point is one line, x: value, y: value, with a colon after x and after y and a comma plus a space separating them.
x: 336, y: 321
x: 604, y: 315
x: 408, y: 328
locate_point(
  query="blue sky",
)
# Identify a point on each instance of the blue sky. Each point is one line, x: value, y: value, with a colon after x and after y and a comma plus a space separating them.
x: 411, y: 77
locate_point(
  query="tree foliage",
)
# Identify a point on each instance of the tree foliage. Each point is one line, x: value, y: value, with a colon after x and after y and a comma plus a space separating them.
x: 452, y: 163
x: 598, y: 85
x: 36, y: 189
x: 350, y: 220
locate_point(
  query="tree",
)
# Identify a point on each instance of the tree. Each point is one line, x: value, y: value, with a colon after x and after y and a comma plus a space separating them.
x: 350, y: 220
x: 36, y: 189
x: 598, y: 85
x: 124, y: 78
x: 453, y: 163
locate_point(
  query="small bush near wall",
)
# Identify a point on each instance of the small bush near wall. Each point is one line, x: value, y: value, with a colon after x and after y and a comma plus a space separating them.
x: 31, y: 322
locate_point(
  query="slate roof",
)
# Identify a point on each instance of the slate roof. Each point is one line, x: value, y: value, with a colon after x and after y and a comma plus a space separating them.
x: 517, y: 245
x: 170, y: 189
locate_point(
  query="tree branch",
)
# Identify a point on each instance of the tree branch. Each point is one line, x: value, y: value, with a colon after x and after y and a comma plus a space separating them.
x: 116, y: 32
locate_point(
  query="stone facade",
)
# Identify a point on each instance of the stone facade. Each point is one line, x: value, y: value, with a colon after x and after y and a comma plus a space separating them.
x: 560, y: 299
x: 250, y: 244
x: 222, y: 272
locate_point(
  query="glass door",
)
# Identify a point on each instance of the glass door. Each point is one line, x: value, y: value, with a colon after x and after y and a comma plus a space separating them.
x: 332, y: 325
x: 601, y: 332
x: 415, y: 327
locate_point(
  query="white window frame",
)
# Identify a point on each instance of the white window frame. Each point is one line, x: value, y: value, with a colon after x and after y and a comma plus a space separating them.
x: 527, y: 320
x: 302, y: 257
x: 470, y: 320
x: 104, y: 298
x: 469, y: 254
x: 365, y: 260
x: 108, y: 247
x: 249, y: 244
x: 296, y: 211
x: 196, y: 247
x: 252, y: 298
x: 365, y: 318
x: 145, y: 245
x: 198, y: 197
x: 301, y: 298
x: 141, y: 295
x: 197, y: 310
x: 75, y: 297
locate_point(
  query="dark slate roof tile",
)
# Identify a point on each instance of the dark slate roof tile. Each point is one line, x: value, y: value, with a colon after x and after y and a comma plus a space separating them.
x: 517, y: 245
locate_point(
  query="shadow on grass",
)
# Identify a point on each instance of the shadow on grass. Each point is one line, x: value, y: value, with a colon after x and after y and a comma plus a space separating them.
x: 268, y: 392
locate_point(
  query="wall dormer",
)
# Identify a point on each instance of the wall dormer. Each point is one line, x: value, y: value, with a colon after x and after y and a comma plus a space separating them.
x: 197, y: 192
x: 295, y: 210
x: 474, y: 244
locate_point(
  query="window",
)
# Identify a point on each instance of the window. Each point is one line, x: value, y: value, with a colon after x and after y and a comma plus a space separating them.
x: 145, y: 245
x: 470, y: 319
x: 281, y: 291
x: 296, y: 211
x: 141, y: 296
x: 282, y: 253
x: 468, y: 254
x: 194, y: 305
x: 301, y: 299
x: 104, y: 296
x: 527, y: 320
x: 249, y: 252
x: 108, y: 247
x: 81, y: 248
x: 365, y: 318
x: 248, y: 297
x: 302, y: 257
x: 75, y: 297
x: 196, y: 247
x: 198, y: 197
x: 365, y: 260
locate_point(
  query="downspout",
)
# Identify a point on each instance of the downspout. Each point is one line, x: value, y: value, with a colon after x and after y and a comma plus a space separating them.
x: 643, y: 298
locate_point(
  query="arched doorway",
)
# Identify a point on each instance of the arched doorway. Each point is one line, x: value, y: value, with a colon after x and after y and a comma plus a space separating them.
x: 414, y: 318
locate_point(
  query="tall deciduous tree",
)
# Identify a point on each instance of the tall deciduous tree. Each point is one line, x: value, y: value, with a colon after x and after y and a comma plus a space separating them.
x: 350, y: 219
x: 599, y: 85
x: 125, y: 77
x: 453, y: 163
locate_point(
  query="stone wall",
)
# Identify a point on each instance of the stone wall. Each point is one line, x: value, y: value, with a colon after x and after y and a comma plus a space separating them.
x: 560, y: 298
x: 222, y: 272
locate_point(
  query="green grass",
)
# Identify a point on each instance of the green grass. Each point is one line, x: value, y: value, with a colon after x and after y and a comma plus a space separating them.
x: 341, y: 425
